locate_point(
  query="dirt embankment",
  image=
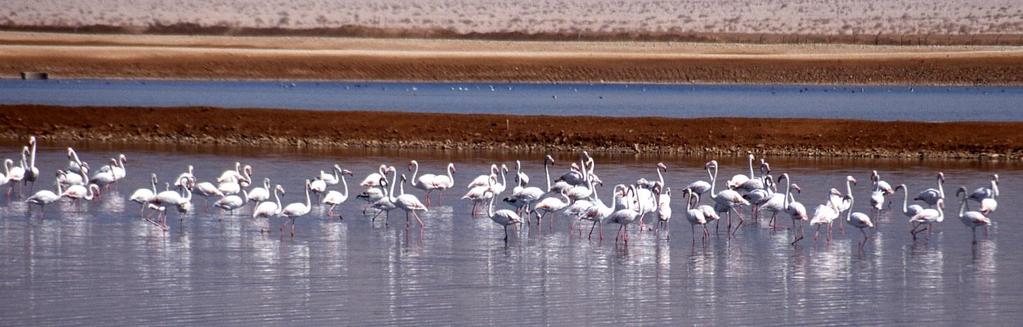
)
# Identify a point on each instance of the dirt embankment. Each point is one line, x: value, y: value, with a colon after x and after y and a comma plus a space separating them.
x: 293, y: 128
x: 212, y: 57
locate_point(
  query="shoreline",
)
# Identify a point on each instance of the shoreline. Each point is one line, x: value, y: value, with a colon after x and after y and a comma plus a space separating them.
x: 459, y: 132
x: 66, y: 56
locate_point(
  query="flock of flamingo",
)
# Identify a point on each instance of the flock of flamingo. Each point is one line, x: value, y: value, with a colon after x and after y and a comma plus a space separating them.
x: 574, y: 194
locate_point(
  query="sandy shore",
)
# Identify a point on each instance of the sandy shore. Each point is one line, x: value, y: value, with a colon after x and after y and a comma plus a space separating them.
x: 222, y: 57
x: 326, y: 130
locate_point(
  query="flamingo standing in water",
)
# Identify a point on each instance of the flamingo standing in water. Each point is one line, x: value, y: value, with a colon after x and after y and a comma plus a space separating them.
x: 859, y: 220
x: 931, y: 195
x: 927, y: 217
x: 410, y: 204
x: 726, y: 200
x: 626, y: 216
x: 971, y: 219
x: 987, y: 197
x: 503, y: 217
x: 144, y: 196
x: 297, y: 209
x: 31, y: 172
x: 331, y: 178
x: 483, y: 180
x: 523, y: 196
x: 259, y: 194
x: 334, y: 198
x: 44, y: 197
x: 795, y: 209
x: 825, y: 214
x: 431, y: 182
x: 695, y: 215
x: 372, y: 180
x: 662, y: 203
x: 269, y: 209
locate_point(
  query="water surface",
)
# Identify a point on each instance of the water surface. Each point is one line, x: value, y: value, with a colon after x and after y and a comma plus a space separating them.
x: 911, y: 103
x: 102, y: 265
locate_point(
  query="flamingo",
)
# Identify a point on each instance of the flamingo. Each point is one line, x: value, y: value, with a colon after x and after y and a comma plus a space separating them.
x: 318, y: 186
x: 761, y: 196
x: 881, y: 186
x: 76, y: 165
x: 386, y: 203
x: 44, y: 197
x: 795, y: 209
x: 859, y: 220
x: 269, y: 209
x: 116, y: 168
x: 519, y: 175
x: 662, y: 203
x: 207, y: 190
x: 908, y: 210
x: 235, y: 174
x: 503, y: 217
x: 523, y: 196
x: 13, y: 174
x: 483, y: 180
x: 624, y: 217
x: 644, y: 183
x: 826, y: 213
x: 372, y: 179
x: 297, y: 209
x: 431, y: 182
x: 579, y: 192
x: 971, y: 219
x: 931, y: 196
x: 334, y: 198
x: 551, y: 204
x: 726, y: 200
x: 69, y: 178
x: 477, y: 194
x: 927, y: 217
x: 144, y: 196
x: 695, y: 215
x: 775, y: 203
x: 78, y: 192
x: 740, y: 179
x: 410, y: 204
x: 595, y: 210
x: 331, y: 178
x: 231, y: 202
x: 103, y: 178
x: 987, y: 196
x: 755, y: 183
x: 31, y: 172
x: 260, y: 194
x: 183, y: 203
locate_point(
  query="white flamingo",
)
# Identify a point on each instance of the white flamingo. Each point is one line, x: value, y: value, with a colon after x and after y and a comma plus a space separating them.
x: 14, y: 174
x: 479, y: 194
x: 79, y: 192
x: 825, y: 214
x: 431, y: 182
x: 726, y: 200
x: 695, y: 215
x: 859, y: 220
x: 297, y: 209
x: 260, y: 194
x: 335, y: 198
x: 144, y: 196
x: 231, y: 202
x: 551, y: 205
x: 908, y: 210
x: 42, y: 198
x: 662, y: 203
x: 31, y: 172
x: 524, y: 196
x: 187, y: 176
x: 103, y: 178
x: 795, y: 209
x: 740, y: 179
x: 269, y: 209
x: 931, y: 196
x: 410, y: 204
x: 971, y: 219
x: 483, y: 180
x: 76, y: 165
x: 372, y: 180
x: 387, y: 203
x: 624, y: 217
x: 331, y: 178
x: 927, y: 217
x: 519, y: 175
x: 503, y: 217
x: 987, y: 197
x: 317, y: 186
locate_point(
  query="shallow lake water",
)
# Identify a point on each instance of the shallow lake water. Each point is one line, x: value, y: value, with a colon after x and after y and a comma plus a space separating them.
x: 103, y: 265
x: 913, y: 103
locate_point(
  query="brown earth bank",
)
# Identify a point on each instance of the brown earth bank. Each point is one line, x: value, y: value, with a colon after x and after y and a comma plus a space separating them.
x: 218, y: 57
x: 393, y: 130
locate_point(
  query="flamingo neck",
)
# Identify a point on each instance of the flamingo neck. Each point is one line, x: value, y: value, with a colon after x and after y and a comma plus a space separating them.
x: 660, y: 176
x: 490, y: 208
x: 962, y: 205
x: 714, y: 181
x: 848, y: 185
x: 547, y: 172
x: 32, y: 158
x: 344, y: 183
x: 941, y: 188
x: 277, y: 197
x: 905, y: 200
x: 308, y: 201
x: 751, y: 168
x: 788, y: 191
x: 394, y: 180
x: 414, y: 174
x: 60, y: 190
x: 848, y: 212
x: 994, y: 189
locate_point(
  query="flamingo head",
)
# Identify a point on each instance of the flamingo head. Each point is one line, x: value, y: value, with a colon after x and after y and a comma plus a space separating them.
x: 797, y: 188
x: 995, y: 177
x: 307, y: 182
x: 941, y: 176
x: 122, y: 157
x: 656, y: 189
x: 190, y: 169
x: 32, y: 140
x: 835, y: 192
x: 711, y: 164
x: 662, y: 166
x: 765, y: 168
x: 336, y: 167
x: 451, y: 167
x: 279, y: 188
x: 549, y: 159
x: 185, y: 207
x: 574, y: 167
x: 504, y: 168
x: 346, y: 172
x: 411, y: 163
x: 961, y: 191
x: 750, y: 156
x: 70, y: 153
x: 247, y: 169
x: 851, y: 179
